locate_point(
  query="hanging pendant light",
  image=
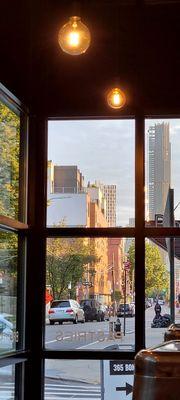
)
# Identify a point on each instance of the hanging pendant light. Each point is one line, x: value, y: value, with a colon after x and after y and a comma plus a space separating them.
x: 74, y: 37
x: 116, y: 98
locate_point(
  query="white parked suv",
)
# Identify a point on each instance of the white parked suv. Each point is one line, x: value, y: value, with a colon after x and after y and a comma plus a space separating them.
x: 7, y: 341
x: 66, y: 310
x: 161, y: 302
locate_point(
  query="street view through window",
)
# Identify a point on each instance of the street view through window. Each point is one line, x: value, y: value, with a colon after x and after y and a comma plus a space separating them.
x: 9, y: 336
x: 91, y: 173
x: 162, y: 209
x: 7, y: 382
x: 90, y: 291
x: 90, y: 280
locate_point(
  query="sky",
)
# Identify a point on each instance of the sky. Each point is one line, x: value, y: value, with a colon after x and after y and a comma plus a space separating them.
x: 103, y: 150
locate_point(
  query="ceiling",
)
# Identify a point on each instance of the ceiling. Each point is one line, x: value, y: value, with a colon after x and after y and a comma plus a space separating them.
x: 138, y: 43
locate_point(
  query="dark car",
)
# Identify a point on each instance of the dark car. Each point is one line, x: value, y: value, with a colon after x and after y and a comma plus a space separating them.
x: 92, y: 310
x: 129, y: 310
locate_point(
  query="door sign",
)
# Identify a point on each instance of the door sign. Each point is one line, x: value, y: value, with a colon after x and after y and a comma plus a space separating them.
x: 117, y: 379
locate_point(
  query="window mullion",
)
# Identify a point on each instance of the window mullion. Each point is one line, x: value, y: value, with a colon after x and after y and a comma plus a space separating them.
x: 139, y: 236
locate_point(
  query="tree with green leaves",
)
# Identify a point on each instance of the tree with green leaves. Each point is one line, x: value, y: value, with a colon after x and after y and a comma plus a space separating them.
x: 67, y: 261
x: 9, y: 161
x: 9, y: 192
x: 118, y: 295
x: 157, y: 276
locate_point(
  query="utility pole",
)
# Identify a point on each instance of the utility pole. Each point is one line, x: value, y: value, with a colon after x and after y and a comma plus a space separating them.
x: 127, y: 266
x: 168, y: 220
x: 113, y: 285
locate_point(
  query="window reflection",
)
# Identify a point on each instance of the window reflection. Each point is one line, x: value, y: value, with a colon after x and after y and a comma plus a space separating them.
x: 8, y: 291
x: 160, y: 261
x: 90, y: 293
x: 9, y: 161
x: 7, y: 383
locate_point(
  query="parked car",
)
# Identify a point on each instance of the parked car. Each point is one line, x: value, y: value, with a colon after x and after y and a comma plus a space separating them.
x: 92, y: 310
x: 151, y: 300
x: 6, y: 334
x: 105, y: 311
x: 147, y: 303
x: 161, y: 302
x: 129, y: 310
x: 66, y: 310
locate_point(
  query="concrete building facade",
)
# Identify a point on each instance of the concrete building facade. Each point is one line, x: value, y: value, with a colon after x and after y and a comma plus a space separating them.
x: 74, y: 206
x: 68, y: 179
x: 115, y: 262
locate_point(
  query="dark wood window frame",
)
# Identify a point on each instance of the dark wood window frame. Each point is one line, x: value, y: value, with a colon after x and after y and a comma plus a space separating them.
x: 35, y: 233
x: 139, y: 232
x: 18, y: 357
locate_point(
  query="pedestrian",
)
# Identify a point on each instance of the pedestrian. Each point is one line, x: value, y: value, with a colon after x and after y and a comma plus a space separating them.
x: 157, y: 309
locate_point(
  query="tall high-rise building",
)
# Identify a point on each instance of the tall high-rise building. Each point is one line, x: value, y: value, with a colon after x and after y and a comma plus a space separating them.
x: 159, y: 168
x: 107, y: 200
x: 109, y: 192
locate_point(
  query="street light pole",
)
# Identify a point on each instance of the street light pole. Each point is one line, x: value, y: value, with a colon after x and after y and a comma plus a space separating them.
x: 127, y: 266
x: 169, y: 221
x: 124, y: 300
x: 113, y: 285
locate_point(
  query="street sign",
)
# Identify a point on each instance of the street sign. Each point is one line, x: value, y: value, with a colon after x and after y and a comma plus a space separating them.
x: 117, y: 379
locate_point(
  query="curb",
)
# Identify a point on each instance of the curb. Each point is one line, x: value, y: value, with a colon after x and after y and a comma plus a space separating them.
x: 71, y: 380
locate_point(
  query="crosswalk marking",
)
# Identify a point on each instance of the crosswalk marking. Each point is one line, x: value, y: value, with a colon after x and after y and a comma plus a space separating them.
x: 64, y: 392
x: 55, y: 391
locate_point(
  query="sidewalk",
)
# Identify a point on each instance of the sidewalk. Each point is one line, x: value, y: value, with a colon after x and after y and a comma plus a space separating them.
x: 85, y: 371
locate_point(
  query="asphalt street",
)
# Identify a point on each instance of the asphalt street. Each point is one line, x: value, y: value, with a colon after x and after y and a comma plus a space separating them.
x: 94, y: 335
x: 81, y: 379
x: 83, y: 336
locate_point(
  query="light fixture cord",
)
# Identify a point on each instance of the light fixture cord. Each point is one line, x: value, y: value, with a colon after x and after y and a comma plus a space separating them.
x: 117, y: 43
x: 76, y: 8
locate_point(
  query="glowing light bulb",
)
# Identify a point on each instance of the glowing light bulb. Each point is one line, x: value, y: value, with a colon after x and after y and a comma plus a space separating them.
x: 74, y: 37
x: 116, y: 98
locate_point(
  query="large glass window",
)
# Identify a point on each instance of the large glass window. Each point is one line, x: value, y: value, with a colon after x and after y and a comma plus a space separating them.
x: 90, y: 293
x: 162, y: 172
x: 162, y: 268
x: 9, y: 161
x: 13, y: 150
x: 7, y: 382
x: 89, y: 379
x: 13, y: 174
x: 9, y: 335
x: 90, y: 173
